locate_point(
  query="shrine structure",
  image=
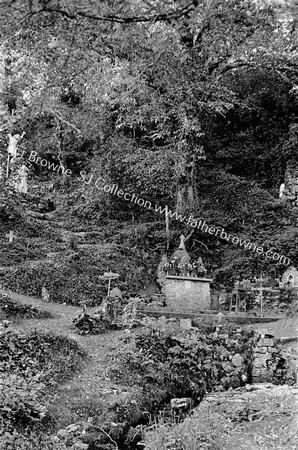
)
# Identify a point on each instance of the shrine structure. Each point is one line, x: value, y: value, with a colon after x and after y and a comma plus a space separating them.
x: 184, y: 283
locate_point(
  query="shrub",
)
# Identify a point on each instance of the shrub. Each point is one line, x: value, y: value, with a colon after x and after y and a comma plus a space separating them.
x: 12, y: 309
x: 20, y: 402
x: 188, y: 363
x: 31, y: 367
x: 30, y: 441
x: 75, y: 277
x: 52, y: 358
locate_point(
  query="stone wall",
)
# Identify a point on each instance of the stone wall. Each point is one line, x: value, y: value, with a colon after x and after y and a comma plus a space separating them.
x: 264, y: 363
x: 186, y: 294
x: 272, y: 363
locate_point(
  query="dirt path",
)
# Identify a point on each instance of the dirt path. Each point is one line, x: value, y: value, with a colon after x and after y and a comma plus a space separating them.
x: 282, y: 328
x: 92, y: 387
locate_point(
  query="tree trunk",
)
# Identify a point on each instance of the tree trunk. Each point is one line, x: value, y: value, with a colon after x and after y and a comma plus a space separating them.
x: 167, y: 228
x: 4, y: 113
x: 185, y: 189
x: 4, y: 118
x: 60, y: 149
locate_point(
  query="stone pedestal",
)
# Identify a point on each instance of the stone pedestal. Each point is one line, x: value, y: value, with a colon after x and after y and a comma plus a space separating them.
x: 187, y: 294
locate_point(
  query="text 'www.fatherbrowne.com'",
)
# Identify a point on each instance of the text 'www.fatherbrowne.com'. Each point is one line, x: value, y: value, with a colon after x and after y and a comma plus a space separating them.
x: 199, y: 224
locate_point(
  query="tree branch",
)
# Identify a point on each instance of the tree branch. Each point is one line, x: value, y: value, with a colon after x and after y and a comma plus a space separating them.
x: 177, y: 14
x: 239, y: 64
x: 189, y: 235
x: 202, y: 243
x: 234, y: 66
x: 58, y: 117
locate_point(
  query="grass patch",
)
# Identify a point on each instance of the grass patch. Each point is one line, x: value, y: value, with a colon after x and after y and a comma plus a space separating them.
x: 192, y: 434
x: 237, y: 420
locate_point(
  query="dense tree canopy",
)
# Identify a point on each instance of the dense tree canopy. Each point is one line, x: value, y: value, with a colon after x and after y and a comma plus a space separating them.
x: 192, y: 104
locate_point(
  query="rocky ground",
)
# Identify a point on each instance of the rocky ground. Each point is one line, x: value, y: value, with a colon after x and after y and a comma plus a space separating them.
x: 259, y: 417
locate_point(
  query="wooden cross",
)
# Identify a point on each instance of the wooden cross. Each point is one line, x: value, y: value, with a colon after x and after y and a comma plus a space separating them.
x: 10, y: 236
x: 261, y: 289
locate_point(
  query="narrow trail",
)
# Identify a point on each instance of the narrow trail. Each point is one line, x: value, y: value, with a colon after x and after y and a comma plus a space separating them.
x: 93, y: 384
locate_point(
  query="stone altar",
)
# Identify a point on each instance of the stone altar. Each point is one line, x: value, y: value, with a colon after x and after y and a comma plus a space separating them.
x: 185, y: 286
x: 187, y: 294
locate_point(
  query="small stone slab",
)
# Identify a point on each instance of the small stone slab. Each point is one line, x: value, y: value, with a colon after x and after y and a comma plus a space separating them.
x: 237, y: 360
x: 185, y: 324
x: 266, y: 342
x: 181, y: 403
x: 227, y: 367
x: 63, y: 434
x: 45, y: 295
x: 116, y: 293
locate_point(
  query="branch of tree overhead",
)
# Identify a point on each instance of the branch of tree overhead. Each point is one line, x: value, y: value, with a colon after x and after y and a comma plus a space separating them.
x: 47, y: 7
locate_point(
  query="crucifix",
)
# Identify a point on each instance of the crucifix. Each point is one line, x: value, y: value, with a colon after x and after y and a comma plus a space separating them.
x: 10, y: 236
x: 261, y: 289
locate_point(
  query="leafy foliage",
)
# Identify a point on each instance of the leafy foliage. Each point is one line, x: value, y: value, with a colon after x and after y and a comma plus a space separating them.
x: 20, y: 403
x: 30, y: 367
x: 139, y: 102
x: 187, y: 363
x: 66, y: 280
x: 49, y: 358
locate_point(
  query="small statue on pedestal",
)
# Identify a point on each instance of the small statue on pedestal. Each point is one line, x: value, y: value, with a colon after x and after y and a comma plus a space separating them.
x: 166, y: 268
x: 281, y: 190
x: 21, y: 182
x: 200, y: 267
x: 183, y: 268
x: 189, y: 269
x: 174, y: 267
